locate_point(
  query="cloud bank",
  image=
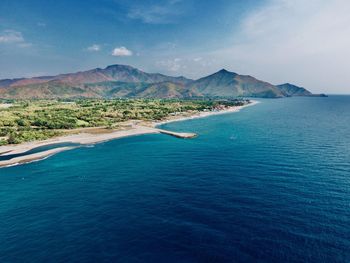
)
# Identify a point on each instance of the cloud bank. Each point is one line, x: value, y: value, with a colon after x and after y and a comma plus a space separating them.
x: 306, y: 42
x: 297, y: 41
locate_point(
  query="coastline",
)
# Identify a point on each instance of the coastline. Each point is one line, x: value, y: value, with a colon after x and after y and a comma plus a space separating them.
x: 204, y: 114
x: 33, y: 157
x: 85, y: 138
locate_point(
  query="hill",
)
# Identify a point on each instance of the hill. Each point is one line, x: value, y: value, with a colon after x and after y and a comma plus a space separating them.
x: 290, y: 90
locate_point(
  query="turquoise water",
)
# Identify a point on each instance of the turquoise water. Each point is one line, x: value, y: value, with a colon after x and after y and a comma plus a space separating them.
x: 268, y: 184
x: 37, y: 149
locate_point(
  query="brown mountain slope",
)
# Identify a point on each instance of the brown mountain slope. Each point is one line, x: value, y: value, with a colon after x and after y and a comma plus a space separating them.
x: 122, y: 73
x: 128, y: 82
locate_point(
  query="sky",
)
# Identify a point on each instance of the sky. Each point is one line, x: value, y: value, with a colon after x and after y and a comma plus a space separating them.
x: 306, y: 43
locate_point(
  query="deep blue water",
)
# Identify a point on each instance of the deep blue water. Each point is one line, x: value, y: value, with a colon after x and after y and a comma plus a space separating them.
x: 268, y: 184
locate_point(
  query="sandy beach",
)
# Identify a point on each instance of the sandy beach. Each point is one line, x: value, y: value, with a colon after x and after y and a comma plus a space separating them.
x: 86, y: 138
x: 204, y: 114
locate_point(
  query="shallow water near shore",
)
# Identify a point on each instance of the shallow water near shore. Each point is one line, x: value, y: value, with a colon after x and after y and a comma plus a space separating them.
x: 8, y: 156
x: 270, y: 184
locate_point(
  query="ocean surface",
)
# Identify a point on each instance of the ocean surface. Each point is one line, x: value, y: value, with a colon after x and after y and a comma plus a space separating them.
x: 268, y: 184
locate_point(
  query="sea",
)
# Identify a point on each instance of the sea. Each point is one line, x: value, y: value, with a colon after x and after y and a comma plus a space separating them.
x: 270, y: 183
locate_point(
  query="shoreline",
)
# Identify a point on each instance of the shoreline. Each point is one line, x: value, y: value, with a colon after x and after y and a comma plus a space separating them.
x: 204, y: 114
x: 85, y: 138
x: 33, y: 157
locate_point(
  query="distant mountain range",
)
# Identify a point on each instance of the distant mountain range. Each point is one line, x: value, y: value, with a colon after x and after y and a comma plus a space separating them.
x: 121, y: 81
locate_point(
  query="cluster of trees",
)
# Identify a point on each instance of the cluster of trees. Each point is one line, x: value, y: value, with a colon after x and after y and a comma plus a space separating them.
x: 41, y: 119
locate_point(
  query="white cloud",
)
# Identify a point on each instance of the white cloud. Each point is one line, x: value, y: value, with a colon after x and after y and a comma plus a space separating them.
x: 306, y: 42
x: 11, y: 36
x: 121, y: 52
x: 94, y: 48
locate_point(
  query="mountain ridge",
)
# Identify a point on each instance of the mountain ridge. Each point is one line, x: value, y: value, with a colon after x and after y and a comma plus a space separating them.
x: 125, y: 81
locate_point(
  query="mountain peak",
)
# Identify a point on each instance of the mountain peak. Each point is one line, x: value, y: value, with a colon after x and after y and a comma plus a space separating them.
x: 289, y: 84
x: 225, y: 72
x: 119, y: 66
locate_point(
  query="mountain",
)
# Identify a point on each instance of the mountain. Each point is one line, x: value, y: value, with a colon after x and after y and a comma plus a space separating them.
x: 293, y: 90
x: 163, y: 90
x: 229, y: 84
x: 121, y: 81
x: 7, y: 82
x: 290, y: 90
x: 122, y: 73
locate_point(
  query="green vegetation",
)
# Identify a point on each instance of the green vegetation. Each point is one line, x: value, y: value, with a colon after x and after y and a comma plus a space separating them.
x: 42, y: 119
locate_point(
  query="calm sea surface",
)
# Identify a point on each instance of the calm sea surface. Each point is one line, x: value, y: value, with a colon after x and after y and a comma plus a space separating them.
x: 268, y: 184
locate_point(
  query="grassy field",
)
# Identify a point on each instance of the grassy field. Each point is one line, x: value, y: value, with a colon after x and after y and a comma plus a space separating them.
x: 22, y: 121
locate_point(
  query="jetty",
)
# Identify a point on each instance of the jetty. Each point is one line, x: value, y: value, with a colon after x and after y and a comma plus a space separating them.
x: 182, y: 135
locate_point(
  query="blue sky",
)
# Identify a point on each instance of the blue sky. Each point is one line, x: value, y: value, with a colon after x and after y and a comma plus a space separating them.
x: 277, y: 41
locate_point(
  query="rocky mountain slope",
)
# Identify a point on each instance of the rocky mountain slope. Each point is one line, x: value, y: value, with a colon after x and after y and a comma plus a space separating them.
x: 121, y: 81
